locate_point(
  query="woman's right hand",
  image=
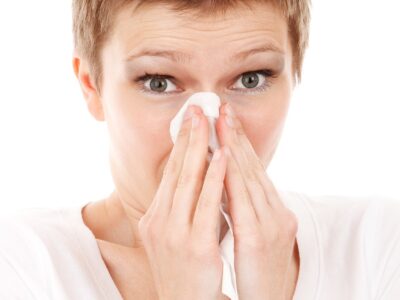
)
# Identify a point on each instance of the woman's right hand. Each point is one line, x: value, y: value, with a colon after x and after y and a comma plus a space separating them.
x: 180, y: 230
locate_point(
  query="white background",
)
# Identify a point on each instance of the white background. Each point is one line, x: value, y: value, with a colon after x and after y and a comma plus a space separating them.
x: 342, y: 134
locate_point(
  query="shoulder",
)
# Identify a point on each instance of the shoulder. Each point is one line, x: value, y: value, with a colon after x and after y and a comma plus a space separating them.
x: 48, y: 251
x: 370, y: 213
x: 26, y: 235
x: 33, y: 225
x: 362, y: 230
x: 382, y: 246
x: 373, y: 219
x: 31, y: 239
x: 329, y: 212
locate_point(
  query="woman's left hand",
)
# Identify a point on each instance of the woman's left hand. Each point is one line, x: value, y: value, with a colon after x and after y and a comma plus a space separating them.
x: 264, y: 229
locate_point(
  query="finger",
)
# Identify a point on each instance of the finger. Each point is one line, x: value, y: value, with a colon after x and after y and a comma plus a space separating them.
x: 254, y: 186
x: 240, y: 206
x: 206, y: 215
x: 271, y: 191
x: 191, y: 177
x: 253, y: 161
x: 164, y: 196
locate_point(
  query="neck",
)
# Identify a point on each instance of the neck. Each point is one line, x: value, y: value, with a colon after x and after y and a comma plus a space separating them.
x: 115, y: 220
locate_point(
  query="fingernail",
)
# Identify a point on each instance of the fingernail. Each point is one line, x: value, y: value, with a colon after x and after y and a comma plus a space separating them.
x: 229, y: 121
x: 195, y: 121
x: 227, y: 151
x: 188, y: 113
x: 229, y: 111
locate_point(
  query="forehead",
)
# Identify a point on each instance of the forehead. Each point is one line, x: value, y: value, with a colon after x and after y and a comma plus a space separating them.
x: 157, y: 26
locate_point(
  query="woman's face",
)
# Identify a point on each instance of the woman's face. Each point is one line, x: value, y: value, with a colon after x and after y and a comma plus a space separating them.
x: 214, y: 58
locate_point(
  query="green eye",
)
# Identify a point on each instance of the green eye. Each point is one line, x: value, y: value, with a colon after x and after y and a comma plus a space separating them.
x: 158, y: 84
x: 164, y: 84
x: 250, y: 81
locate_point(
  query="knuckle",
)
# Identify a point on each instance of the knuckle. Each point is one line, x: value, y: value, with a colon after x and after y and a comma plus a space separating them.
x: 274, y: 236
x: 254, y: 243
x: 198, y: 253
x: 291, y: 224
x: 235, y: 169
x: 184, y: 131
x: 242, y: 194
x: 142, y: 225
x: 149, y: 232
x: 185, y: 178
x: 275, y: 232
x: 240, y: 131
x: 249, y: 174
x: 212, y: 175
x: 236, y: 141
x: 171, y: 168
x: 193, y: 144
x: 195, y: 248
x: 257, y: 165
x: 201, y: 253
x: 204, y: 201
x: 257, y: 244
x: 284, y: 237
x: 173, y: 241
x: 283, y: 234
x: 152, y: 233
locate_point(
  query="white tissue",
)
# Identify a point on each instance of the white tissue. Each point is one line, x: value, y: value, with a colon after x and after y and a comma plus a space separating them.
x: 210, y: 103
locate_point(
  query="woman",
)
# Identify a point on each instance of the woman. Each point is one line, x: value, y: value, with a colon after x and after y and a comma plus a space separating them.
x: 154, y: 236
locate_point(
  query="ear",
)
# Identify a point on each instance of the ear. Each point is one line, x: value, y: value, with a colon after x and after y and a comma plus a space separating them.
x: 90, y: 93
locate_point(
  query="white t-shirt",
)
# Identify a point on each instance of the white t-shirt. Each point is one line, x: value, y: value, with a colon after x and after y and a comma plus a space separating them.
x: 349, y: 249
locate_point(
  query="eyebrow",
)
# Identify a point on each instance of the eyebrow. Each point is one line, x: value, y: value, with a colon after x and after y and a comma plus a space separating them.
x: 181, y: 57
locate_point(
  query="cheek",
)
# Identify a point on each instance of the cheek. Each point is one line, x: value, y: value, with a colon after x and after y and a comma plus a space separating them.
x: 149, y: 141
x: 262, y: 134
x: 264, y: 126
x: 139, y: 138
x: 158, y: 143
x: 138, y: 131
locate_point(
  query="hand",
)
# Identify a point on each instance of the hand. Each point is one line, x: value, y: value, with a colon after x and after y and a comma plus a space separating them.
x: 264, y: 229
x: 180, y: 230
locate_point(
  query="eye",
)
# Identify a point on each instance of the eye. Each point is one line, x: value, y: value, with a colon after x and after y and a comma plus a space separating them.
x: 251, y: 82
x: 159, y: 84
x: 156, y: 83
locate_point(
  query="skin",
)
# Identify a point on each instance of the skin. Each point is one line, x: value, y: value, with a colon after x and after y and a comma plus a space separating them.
x: 139, y: 211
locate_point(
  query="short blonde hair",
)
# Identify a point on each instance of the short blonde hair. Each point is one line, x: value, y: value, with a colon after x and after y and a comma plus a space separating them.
x: 93, y: 22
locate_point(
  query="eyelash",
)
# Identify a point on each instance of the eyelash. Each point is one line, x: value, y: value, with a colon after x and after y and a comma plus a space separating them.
x: 142, y: 79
